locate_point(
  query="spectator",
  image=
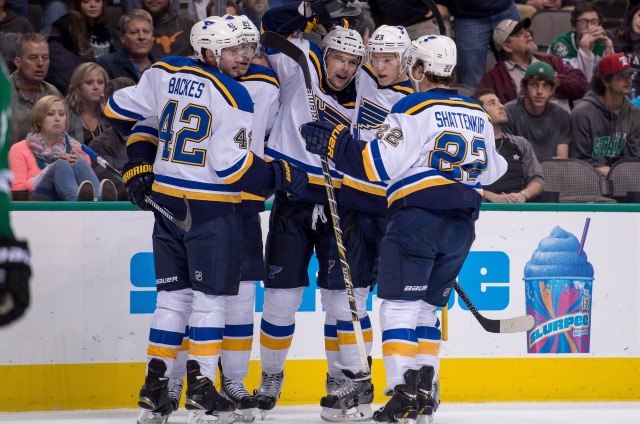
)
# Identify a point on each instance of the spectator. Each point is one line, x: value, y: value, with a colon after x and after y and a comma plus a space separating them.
x: 474, y: 21
x: 586, y: 43
x: 11, y: 27
x: 231, y: 8
x: 83, y: 30
x: 171, y: 30
x: 52, y: 10
x: 86, y: 101
x: 32, y: 65
x: 518, y: 50
x: 544, y: 124
x: 129, y: 5
x: 254, y: 9
x: 411, y: 14
x: 523, y: 179
x: 605, y: 126
x: 49, y: 163
x: 110, y: 144
x: 626, y: 39
x: 134, y: 57
x: 78, y: 37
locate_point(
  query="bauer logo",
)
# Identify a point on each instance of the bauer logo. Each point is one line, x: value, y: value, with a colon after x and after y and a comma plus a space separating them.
x: 484, y: 276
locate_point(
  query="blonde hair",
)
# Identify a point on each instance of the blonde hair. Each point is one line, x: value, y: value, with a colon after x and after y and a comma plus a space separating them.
x: 80, y: 75
x: 41, y: 110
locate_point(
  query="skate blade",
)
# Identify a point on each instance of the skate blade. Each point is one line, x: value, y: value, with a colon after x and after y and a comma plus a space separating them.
x: 353, y: 415
x: 147, y: 417
x: 425, y: 419
x: 204, y: 417
x: 263, y: 414
x: 244, y: 415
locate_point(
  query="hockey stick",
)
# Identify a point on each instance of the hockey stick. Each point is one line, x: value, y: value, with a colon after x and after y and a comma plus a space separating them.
x: 436, y: 14
x: 184, y: 225
x: 507, y: 325
x: 274, y: 41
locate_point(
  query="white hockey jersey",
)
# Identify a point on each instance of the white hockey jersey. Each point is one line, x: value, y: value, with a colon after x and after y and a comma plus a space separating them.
x: 436, y: 150
x: 285, y: 140
x: 204, y: 120
x: 373, y: 104
x: 264, y: 89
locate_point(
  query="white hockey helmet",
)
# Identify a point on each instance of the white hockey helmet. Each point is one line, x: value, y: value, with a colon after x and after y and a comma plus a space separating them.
x: 249, y: 30
x: 438, y: 53
x: 389, y: 39
x: 215, y: 33
x: 344, y: 40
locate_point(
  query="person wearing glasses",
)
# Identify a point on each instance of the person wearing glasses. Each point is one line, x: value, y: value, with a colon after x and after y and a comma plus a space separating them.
x: 586, y: 43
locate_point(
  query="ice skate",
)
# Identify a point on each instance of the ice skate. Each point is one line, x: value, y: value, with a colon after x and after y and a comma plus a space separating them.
x: 269, y: 391
x: 204, y: 400
x: 349, y: 401
x: 154, y: 396
x: 426, y: 402
x: 332, y: 384
x: 245, y: 403
x: 402, y: 408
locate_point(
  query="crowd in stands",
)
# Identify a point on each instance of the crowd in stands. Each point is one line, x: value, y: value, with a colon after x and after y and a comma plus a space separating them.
x: 575, y: 99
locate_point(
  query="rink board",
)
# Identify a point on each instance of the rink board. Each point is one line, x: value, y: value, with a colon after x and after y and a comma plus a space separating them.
x: 83, y: 342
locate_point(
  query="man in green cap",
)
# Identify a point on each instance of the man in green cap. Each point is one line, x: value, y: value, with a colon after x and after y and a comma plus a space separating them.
x: 15, y: 268
x: 533, y: 116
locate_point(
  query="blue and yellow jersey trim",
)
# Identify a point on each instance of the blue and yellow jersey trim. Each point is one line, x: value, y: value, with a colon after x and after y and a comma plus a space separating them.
x: 237, y: 170
x: 373, y: 188
x: 419, y: 182
x: 195, y: 190
x: 113, y: 111
x: 143, y: 133
x: 372, y: 162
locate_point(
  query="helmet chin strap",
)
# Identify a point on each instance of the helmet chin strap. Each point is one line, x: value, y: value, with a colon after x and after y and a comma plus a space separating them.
x: 417, y: 82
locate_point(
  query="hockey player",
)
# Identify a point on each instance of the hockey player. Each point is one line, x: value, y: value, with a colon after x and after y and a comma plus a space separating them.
x: 363, y: 210
x: 435, y: 149
x: 297, y: 228
x: 204, y: 120
x: 15, y: 263
x: 263, y: 87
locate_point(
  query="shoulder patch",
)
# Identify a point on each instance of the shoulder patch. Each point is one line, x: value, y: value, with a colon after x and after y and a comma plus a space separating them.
x: 560, y: 49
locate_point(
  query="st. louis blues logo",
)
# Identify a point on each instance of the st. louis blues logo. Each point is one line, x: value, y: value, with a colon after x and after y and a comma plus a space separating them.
x: 331, y: 264
x: 273, y: 270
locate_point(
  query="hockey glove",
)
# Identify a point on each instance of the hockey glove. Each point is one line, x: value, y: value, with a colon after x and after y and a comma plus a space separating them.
x: 138, y: 179
x: 290, y: 179
x: 15, y: 271
x: 326, y: 139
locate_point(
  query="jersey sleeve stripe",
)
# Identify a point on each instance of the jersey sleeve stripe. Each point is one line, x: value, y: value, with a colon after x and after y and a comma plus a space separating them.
x: 236, y: 171
x: 142, y: 138
x: 145, y: 129
x: 375, y: 162
x: 249, y: 196
x: 415, y: 183
x: 316, y: 63
x: 196, y: 185
x: 359, y: 185
x: 112, y: 110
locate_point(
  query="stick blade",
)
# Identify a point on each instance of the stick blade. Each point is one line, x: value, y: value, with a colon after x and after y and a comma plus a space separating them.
x: 517, y: 324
